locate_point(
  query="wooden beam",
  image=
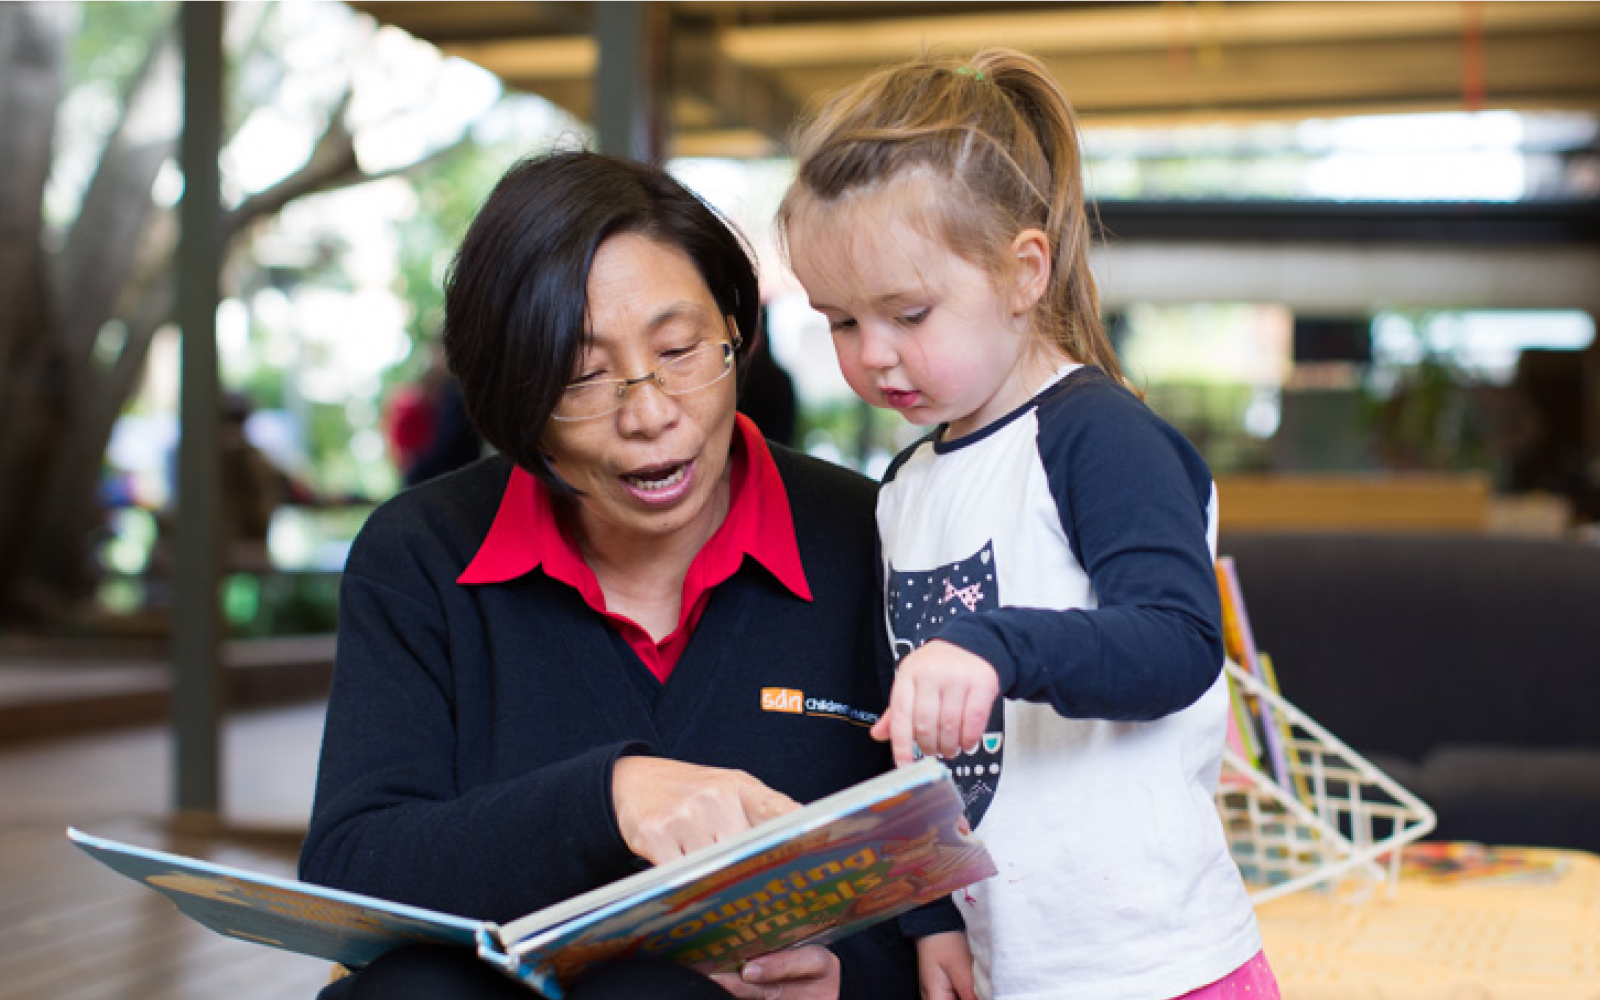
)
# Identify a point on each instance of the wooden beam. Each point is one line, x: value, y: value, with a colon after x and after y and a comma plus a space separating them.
x: 197, y: 617
x: 1353, y: 278
x: 1308, y: 79
x: 1121, y: 28
x: 726, y: 94
x: 744, y: 68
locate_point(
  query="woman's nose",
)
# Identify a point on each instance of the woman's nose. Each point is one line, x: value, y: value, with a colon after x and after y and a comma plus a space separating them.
x: 646, y: 408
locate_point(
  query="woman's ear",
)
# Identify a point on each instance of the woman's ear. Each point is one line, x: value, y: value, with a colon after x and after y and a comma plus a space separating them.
x: 1031, y: 256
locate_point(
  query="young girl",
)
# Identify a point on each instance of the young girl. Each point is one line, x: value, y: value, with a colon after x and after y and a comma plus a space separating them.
x: 1048, y: 548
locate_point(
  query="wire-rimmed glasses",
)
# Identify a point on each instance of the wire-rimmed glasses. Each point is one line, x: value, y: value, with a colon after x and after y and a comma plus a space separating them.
x: 696, y: 368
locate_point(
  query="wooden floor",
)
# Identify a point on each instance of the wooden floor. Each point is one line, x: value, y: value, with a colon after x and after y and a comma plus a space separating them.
x: 73, y: 930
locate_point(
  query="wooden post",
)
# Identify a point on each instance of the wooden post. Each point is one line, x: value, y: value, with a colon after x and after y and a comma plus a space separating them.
x: 196, y: 623
x: 630, y: 80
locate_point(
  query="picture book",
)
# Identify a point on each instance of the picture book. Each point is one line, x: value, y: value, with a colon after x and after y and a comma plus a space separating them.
x: 1239, y: 643
x: 828, y: 869
x: 1443, y: 861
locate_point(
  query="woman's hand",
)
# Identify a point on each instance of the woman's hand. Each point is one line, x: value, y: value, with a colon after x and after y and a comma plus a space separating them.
x: 944, y: 967
x: 807, y: 973
x: 940, y: 702
x: 666, y: 808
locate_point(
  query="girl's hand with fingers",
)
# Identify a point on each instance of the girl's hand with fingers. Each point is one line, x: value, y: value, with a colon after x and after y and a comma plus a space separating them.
x: 940, y: 702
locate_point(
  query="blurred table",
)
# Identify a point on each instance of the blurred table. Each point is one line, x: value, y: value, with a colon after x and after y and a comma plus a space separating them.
x: 1464, y: 923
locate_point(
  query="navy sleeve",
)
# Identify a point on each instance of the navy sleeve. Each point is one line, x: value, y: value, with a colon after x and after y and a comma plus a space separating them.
x: 1133, y: 499
x: 932, y: 918
x: 390, y: 818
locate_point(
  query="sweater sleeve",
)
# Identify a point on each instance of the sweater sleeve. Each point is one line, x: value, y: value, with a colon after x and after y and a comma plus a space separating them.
x: 391, y: 817
x: 1133, y: 501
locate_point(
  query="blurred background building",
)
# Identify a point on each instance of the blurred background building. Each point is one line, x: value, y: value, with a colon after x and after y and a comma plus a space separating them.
x: 1350, y: 245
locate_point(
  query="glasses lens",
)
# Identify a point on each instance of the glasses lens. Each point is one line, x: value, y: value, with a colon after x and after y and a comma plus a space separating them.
x: 580, y: 402
x: 691, y: 370
x: 695, y: 369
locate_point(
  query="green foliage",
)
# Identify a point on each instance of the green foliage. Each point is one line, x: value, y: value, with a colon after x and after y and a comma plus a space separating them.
x: 448, y: 193
x: 1430, y: 421
x: 1212, y: 415
x: 255, y: 606
x: 113, y: 39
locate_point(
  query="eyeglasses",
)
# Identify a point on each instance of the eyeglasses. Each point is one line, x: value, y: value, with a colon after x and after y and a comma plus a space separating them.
x: 696, y: 368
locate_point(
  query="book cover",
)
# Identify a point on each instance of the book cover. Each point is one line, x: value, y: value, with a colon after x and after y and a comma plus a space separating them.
x: 343, y: 927
x: 836, y: 866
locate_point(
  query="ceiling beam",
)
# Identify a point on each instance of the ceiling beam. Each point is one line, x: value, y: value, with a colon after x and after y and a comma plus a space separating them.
x: 1369, y: 223
x: 723, y: 95
x: 1311, y: 80
x: 1351, y: 278
x: 739, y: 73
x: 1120, y: 28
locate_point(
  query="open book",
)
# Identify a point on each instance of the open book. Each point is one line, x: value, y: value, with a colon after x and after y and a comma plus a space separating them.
x: 836, y: 866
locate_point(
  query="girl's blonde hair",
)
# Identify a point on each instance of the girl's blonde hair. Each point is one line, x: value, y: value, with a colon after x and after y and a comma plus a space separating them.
x: 999, y: 131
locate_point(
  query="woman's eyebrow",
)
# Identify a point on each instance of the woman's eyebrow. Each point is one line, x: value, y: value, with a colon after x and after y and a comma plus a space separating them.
x: 677, y: 311
x: 663, y: 317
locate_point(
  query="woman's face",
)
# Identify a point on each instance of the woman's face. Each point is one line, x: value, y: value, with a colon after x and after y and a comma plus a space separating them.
x: 656, y: 467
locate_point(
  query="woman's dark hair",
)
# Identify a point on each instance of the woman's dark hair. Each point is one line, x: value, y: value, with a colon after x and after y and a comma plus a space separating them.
x: 516, y: 295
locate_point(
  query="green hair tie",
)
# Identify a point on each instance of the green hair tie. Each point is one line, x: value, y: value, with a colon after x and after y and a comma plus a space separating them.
x: 976, y: 74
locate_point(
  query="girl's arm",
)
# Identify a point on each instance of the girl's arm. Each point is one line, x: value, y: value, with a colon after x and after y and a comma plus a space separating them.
x: 1135, y: 503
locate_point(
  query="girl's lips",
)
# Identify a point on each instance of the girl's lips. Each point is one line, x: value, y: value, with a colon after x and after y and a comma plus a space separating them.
x: 659, y: 485
x: 901, y: 399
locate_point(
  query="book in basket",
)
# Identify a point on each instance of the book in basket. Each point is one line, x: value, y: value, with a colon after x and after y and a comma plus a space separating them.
x: 834, y: 867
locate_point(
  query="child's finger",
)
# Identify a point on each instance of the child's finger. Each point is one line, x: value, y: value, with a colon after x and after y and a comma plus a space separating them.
x: 880, y: 729
x: 975, y: 717
x: 950, y: 726
x: 902, y: 722
x: 929, y: 717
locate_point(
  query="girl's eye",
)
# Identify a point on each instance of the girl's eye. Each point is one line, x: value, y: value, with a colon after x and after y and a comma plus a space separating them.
x: 915, y: 317
x: 835, y: 325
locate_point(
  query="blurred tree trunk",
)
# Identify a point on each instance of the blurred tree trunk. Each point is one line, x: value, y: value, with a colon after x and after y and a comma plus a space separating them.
x: 79, y: 307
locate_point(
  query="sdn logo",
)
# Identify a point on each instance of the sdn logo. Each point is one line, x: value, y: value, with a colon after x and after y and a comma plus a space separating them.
x: 782, y: 700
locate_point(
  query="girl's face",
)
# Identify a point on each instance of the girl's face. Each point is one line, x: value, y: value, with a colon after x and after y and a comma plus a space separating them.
x: 654, y: 468
x: 917, y: 328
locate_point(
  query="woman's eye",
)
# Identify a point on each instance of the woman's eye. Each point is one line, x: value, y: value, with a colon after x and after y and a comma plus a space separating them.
x: 587, y: 377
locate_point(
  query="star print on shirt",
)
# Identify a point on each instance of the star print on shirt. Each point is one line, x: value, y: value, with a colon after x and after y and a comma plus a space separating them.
x: 920, y: 603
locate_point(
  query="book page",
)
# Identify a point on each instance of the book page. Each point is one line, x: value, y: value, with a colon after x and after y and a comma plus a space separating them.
x: 836, y: 866
x: 341, y: 927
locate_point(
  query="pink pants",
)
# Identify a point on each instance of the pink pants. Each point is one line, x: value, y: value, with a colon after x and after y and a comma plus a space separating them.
x: 1251, y: 981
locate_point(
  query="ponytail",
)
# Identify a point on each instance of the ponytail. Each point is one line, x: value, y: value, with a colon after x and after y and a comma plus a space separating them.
x: 998, y: 130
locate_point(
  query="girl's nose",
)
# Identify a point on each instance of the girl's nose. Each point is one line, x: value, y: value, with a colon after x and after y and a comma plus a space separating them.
x: 876, y: 348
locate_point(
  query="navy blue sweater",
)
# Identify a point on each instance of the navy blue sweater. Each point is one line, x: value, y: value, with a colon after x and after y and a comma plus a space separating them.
x: 471, y: 729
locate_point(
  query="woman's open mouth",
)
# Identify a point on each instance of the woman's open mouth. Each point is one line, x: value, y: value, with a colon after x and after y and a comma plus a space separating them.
x: 659, y: 484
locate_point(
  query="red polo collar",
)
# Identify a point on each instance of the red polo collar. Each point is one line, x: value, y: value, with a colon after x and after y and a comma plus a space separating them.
x: 526, y: 535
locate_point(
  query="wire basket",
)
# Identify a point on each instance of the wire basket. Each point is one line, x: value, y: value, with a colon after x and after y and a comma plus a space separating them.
x: 1315, y: 813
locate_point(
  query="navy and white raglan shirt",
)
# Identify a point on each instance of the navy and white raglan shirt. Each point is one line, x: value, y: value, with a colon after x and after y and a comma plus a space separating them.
x: 1072, y: 545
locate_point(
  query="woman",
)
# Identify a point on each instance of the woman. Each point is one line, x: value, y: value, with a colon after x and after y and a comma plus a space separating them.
x: 551, y: 664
